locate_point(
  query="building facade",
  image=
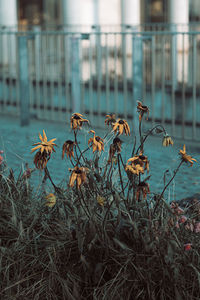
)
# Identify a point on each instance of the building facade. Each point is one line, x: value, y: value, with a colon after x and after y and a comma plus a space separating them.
x: 80, y: 13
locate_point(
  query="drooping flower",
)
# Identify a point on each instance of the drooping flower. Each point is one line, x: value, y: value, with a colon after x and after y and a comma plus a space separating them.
x: 110, y: 120
x: 77, y: 121
x: 116, y: 146
x: 41, y: 159
x: 142, y: 189
x: 134, y: 169
x: 141, y: 110
x: 44, y: 145
x: 50, y: 200
x: 140, y: 159
x: 121, y: 126
x: 45, y: 150
x: 167, y: 140
x: 96, y: 142
x: 68, y: 148
x: 79, y: 174
x: 185, y: 157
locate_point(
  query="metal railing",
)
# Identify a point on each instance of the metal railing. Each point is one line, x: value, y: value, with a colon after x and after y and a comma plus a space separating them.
x: 49, y: 75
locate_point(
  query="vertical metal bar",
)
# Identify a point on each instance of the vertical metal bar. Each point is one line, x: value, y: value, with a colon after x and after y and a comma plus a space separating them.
x: 67, y: 68
x: 45, y: 64
x: 153, y: 80
x: 59, y: 74
x: 183, y: 85
x: 124, y: 73
x: 9, y: 79
x: 99, y: 74
x: 107, y: 74
x: 163, y: 79
x: 137, y: 74
x: 173, y: 79
x: 52, y: 74
x: 144, y: 78
x: 24, y: 80
x: 91, y: 108
x: 82, y: 72
x: 4, y: 70
x: 194, y: 85
x: 1, y: 70
x: 31, y: 94
x: 116, y: 75
x: 37, y: 69
x: 75, y: 73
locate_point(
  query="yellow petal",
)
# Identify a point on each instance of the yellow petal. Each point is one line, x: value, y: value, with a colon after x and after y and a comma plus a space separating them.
x: 44, y: 136
x: 32, y: 150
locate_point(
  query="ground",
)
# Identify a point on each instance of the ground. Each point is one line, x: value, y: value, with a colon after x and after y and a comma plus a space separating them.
x: 16, y: 142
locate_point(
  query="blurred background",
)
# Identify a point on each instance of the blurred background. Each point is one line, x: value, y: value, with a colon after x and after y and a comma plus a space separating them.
x: 98, y: 57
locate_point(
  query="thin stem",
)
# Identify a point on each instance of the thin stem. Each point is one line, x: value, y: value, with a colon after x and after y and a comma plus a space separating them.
x: 144, y: 139
x: 76, y: 144
x: 166, y: 186
x: 120, y: 175
x: 87, y: 212
x: 134, y: 147
x: 49, y: 176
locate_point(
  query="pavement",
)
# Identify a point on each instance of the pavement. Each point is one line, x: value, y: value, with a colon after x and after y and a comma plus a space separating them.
x: 16, y: 142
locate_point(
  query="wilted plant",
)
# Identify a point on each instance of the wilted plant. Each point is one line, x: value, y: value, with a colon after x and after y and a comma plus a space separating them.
x: 107, y: 236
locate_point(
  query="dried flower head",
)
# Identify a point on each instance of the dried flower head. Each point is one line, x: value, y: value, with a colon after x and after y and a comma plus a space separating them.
x: 50, y: 200
x: 185, y: 157
x: 77, y: 121
x: 141, y: 110
x: 167, y: 140
x: 68, y: 148
x: 142, y: 189
x: 45, y: 150
x: 134, y: 169
x: 44, y: 145
x: 41, y: 159
x: 96, y: 142
x: 116, y: 146
x: 140, y: 159
x: 121, y: 126
x: 79, y: 174
x: 110, y: 120
x: 100, y: 200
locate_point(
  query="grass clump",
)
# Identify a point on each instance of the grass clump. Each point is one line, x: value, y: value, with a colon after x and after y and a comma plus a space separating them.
x: 105, y: 236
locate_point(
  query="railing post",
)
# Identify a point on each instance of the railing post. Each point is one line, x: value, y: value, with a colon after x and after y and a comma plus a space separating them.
x: 137, y: 74
x: 23, y: 80
x: 75, y: 74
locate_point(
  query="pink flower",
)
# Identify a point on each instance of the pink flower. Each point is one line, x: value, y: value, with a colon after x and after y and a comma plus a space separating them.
x: 1, y: 151
x: 197, y: 227
x: 182, y: 219
x: 187, y: 246
x: 1, y: 159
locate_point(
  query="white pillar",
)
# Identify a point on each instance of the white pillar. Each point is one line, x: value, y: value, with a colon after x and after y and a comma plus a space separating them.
x: 8, y: 13
x: 78, y: 14
x: 179, y: 18
x: 130, y: 12
x: 8, y: 18
x: 130, y: 16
